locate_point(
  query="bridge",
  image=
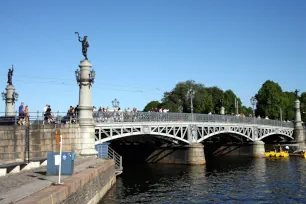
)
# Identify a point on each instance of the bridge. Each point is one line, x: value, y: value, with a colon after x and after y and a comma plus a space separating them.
x: 186, y: 128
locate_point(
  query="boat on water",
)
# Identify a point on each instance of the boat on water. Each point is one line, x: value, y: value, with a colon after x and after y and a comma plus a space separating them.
x: 298, y: 154
x: 277, y: 154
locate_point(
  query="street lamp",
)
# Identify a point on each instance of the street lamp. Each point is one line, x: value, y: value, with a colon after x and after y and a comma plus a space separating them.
x: 3, y: 96
x: 115, y: 103
x: 92, y: 76
x: 190, y: 95
x: 180, y: 107
x: 253, y: 101
x: 15, y: 97
x: 280, y: 113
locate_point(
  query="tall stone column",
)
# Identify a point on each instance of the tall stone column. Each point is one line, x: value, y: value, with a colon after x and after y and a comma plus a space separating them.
x: 298, y: 128
x: 85, y: 78
x: 10, y: 101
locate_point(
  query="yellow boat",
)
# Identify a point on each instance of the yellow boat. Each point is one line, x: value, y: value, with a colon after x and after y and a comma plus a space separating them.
x: 277, y: 154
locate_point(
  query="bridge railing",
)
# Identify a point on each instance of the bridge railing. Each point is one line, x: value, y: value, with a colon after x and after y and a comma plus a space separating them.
x: 37, y: 118
x: 113, y: 117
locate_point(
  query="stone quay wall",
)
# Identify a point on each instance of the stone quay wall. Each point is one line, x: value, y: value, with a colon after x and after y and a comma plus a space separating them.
x: 42, y: 139
x: 88, y: 186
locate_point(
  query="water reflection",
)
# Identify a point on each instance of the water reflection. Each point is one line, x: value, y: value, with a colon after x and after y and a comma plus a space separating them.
x: 222, y: 180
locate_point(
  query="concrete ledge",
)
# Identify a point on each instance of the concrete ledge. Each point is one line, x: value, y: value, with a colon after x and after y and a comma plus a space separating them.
x: 30, y: 165
x: 3, y: 172
x: 74, y: 187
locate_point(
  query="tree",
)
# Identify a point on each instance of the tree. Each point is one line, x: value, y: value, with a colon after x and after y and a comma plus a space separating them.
x: 152, y: 104
x: 287, y: 105
x: 269, y: 99
x: 229, y: 101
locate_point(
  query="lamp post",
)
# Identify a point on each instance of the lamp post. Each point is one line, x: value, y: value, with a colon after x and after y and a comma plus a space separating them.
x: 180, y: 107
x: 115, y: 103
x: 253, y: 101
x: 85, y: 77
x: 190, y: 95
x: 10, y: 97
x: 280, y: 113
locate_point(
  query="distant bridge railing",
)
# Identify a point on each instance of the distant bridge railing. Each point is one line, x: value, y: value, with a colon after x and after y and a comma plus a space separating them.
x: 101, y: 117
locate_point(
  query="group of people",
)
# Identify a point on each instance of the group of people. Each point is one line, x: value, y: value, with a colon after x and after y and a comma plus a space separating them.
x: 24, y: 114
x: 158, y: 110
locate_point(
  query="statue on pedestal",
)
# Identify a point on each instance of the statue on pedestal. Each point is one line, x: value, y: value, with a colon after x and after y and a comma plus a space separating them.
x: 85, y: 45
x: 296, y: 94
x: 10, y: 76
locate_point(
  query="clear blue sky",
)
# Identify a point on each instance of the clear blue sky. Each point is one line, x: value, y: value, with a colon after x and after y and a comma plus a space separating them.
x: 140, y: 49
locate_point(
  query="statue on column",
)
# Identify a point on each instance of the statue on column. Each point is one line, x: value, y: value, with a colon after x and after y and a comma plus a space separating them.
x: 85, y: 45
x: 296, y: 94
x: 10, y: 76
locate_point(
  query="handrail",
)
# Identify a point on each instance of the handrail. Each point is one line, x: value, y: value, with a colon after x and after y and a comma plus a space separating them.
x: 116, y: 157
x: 114, y: 117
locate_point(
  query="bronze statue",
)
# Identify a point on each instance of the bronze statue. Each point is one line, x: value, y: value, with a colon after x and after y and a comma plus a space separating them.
x: 10, y: 76
x: 85, y: 45
x: 296, y: 93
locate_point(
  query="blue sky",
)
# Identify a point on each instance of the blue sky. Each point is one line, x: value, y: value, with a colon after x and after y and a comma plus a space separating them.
x: 141, y: 49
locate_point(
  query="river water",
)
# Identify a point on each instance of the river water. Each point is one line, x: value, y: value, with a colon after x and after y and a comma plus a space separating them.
x: 221, y: 180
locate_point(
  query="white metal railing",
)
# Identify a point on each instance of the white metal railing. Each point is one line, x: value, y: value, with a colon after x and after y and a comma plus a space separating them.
x: 183, y: 117
x: 116, y: 157
x: 113, y: 117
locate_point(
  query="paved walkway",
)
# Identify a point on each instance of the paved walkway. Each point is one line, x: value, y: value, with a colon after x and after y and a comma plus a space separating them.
x: 14, y: 187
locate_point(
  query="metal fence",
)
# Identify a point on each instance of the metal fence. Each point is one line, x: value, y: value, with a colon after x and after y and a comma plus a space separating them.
x: 183, y: 117
x: 62, y: 118
x: 37, y: 118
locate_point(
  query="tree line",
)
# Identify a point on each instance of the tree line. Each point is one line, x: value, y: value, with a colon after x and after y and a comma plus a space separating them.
x: 271, y: 100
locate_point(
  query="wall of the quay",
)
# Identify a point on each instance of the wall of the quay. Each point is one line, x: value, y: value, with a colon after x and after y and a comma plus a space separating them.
x: 88, y: 186
x: 42, y: 139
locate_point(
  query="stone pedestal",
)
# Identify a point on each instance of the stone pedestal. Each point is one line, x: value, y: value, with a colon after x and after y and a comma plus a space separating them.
x: 222, y: 110
x: 298, y: 128
x: 10, y: 102
x: 187, y: 154
x: 258, y: 149
x: 85, y: 111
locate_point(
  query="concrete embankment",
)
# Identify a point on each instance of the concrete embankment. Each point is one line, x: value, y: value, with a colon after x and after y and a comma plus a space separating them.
x: 87, y: 186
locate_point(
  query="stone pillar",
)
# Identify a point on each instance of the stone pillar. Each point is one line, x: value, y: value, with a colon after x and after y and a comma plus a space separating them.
x: 222, y: 110
x: 10, y: 101
x: 298, y: 128
x: 258, y: 149
x: 85, y: 111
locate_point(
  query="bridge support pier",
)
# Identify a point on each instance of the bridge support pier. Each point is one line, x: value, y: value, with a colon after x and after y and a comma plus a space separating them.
x: 298, y: 128
x: 184, y: 154
x: 258, y: 149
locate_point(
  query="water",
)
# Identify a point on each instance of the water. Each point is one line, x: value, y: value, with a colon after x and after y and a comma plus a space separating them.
x: 222, y: 180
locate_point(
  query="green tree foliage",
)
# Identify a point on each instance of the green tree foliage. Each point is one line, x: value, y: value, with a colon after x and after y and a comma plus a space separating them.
x: 205, y: 100
x: 229, y: 101
x: 303, y: 106
x: 287, y: 105
x: 269, y: 97
x: 152, y: 104
x: 271, y: 100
